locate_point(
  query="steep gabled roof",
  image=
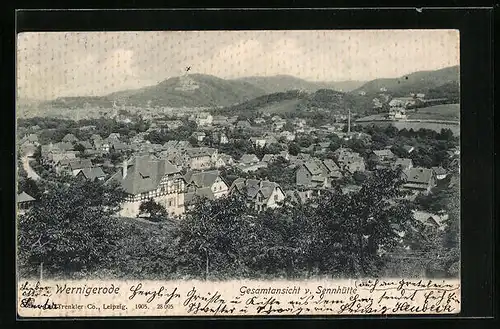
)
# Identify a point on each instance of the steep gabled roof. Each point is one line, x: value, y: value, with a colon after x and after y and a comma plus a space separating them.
x: 200, y: 151
x: 80, y: 163
x: 252, y: 187
x: 24, y: 197
x: 418, y: 175
x: 330, y: 165
x: 383, y: 153
x: 249, y: 158
x: 203, y: 179
x: 92, y: 173
x: 439, y: 170
x: 144, y: 174
x: 403, y: 162
x: 69, y: 138
x: 313, y: 167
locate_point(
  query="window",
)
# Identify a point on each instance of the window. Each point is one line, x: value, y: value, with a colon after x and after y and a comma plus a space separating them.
x: 275, y: 197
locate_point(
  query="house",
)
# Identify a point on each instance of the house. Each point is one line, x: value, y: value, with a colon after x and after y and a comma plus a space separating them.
x: 86, y: 145
x: 102, y: 145
x: 233, y: 119
x: 96, y: 141
x: 226, y: 160
x: 260, y: 195
x: 299, y: 196
x: 289, y: 136
x: 24, y: 201
x: 29, y: 145
x: 439, y: 172
x: 408, y: 148
x: 32, y: 138
x: 144, y: 178
x: 204, y: 119
x: 434, y: 221
x: 75, y: 166
x: 397, y: 114
x: 332, y: 169
x: 114, y: 137
x: 259, y: 121
x: 70, y: 138
x: 205, y: 183
x: 201, y: 157
x: 251, y: 167
x: 268, y: 158
x: 64, y: 146
x: 199, y: 136
x: 243, y: 124
x: 94, y: 173
x: 279, y: 124
x: 312, y: 174
x: 403, y: 163
x: 220, y: 137
x: 349, y: 161
x: 56, y: 159
x: 285, y: 155
x: 384, y: 156
x: 402, y: 102
x: 419, y: 179
x: 220, y: 120
x: 258, y: 141
x: 118, y: 146
x: 270, y: 139
x: 249, y: 159
x: 173, y: 124
x: 319, y: 148
x: 299, y: 123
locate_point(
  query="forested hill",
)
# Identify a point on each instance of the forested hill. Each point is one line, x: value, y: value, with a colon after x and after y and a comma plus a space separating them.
x: 194, y: 90
x: 282, y: 83
x: 296, y: 100
x: 418, y: 82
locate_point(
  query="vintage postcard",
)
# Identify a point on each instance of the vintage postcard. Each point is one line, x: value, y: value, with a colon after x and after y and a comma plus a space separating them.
x: 238, y: 173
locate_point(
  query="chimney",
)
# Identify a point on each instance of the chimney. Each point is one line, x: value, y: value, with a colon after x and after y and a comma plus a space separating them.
x: 349, y: 122
x: 124, y: 169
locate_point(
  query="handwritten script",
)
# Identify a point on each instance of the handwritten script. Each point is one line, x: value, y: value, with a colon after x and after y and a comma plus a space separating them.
x: 233, y: 298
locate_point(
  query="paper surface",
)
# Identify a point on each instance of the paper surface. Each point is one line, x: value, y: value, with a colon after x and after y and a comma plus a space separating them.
x: 237, y: 298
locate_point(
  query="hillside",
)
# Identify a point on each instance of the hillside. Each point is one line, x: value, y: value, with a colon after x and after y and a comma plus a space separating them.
x: 295, y: 100
x: 195, y: 90
x: 282, y: 83
x: 418, y: 82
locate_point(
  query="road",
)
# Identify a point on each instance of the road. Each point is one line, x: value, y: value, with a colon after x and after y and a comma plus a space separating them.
x: 26, y: 165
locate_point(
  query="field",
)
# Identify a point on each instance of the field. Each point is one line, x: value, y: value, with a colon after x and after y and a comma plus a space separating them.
x: 285, y: 106
x: 449, y: 112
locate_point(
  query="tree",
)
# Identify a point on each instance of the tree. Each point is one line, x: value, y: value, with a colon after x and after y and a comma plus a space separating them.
x: 156, y: 212
x: 293, y: 148
x: 80, y: 148
x: 353, y: 228
x: 288, y: 126
x: 70, y: 229
x: 29, y: 186
x: 212, y: 238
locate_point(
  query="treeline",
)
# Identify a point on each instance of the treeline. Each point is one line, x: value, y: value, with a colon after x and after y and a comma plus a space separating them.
x: 72, y: 231
x: 53, y: 130
x: 331, y: 101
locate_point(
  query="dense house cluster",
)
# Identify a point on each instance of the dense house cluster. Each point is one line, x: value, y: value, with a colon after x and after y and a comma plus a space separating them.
x: 177, y: 172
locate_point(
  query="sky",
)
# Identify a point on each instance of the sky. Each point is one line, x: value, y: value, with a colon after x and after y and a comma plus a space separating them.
x: 59, y: 64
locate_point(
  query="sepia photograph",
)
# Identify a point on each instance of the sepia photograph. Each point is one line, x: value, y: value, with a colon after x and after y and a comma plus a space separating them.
x: 239, y: 155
